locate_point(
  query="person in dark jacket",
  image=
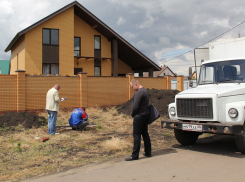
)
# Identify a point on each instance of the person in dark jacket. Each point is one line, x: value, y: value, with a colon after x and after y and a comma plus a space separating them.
x: 140, y: 113
x: 78, y: 119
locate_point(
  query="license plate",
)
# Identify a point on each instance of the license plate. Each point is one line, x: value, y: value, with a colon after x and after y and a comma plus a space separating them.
x: 192, y: 127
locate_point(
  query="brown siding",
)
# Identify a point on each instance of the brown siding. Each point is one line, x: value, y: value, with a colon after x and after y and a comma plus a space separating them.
x: 8, y: 92
x: 65, y: 23
x: 156, y: 83
x: 37, y: 87
x: 18, y: 53
x: 107, y: 91
x: 124, y: 68
x: 86, y: 32
x: 80, y: 90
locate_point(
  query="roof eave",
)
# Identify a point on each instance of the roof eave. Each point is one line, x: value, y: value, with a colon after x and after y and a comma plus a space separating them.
x: 118, y: 36
x: 19, y: 34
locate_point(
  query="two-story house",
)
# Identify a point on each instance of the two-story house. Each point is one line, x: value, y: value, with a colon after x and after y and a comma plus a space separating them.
x: 73, y: 40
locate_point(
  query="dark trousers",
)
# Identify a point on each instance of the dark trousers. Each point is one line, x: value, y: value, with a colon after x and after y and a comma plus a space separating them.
x: 81, y: 126
x: 140, y: 127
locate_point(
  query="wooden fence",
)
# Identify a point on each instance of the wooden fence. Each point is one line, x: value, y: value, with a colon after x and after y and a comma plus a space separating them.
x: 23, y: 92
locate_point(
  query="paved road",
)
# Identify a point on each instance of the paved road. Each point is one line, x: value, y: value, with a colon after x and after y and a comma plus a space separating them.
x: 210, y: 159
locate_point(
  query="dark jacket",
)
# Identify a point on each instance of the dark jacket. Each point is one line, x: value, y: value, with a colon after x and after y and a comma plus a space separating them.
x: 140, y: 103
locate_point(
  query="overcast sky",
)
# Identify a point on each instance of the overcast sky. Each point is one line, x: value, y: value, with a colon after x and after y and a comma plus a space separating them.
x: 160, y: 29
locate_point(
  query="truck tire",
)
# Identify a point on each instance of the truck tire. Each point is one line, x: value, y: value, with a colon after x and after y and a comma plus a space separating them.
x: 186, y: 137
x: 240, y: 141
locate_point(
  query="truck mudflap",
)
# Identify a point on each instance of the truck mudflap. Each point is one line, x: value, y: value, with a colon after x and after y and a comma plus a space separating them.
x: 203, y: 127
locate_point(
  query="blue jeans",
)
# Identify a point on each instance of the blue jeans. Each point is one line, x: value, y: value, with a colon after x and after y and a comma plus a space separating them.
x: 52, y: 117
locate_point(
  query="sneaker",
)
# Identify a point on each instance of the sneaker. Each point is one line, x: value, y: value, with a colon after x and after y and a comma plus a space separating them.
x: 57, y: 133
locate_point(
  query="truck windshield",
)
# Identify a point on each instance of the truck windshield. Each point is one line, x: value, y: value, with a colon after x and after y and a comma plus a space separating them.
x: 222, y: 72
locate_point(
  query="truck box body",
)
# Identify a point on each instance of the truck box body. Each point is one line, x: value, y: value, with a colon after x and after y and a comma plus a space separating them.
x: 230, y: 48
x: 217, y: 104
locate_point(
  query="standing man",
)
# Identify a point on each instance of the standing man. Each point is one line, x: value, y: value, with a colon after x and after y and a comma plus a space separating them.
x: 140, y: 113
x: 52, y: 107
x: 78, y: 119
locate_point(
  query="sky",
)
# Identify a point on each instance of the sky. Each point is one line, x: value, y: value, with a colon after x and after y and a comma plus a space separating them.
x: 160, y: 29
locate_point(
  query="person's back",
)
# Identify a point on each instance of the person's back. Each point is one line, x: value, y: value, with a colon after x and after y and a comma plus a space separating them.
x: 78, y: 119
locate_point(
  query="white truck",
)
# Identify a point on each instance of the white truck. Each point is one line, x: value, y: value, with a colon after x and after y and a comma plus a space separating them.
x: 216, y: 105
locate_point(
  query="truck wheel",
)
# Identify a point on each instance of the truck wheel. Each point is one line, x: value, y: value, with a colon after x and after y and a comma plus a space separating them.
x: 186, y: 137
x: 240, y: 142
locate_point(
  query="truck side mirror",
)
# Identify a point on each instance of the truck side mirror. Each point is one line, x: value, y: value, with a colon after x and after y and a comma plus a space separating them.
x: 190, y: 83
x: 190, y: 73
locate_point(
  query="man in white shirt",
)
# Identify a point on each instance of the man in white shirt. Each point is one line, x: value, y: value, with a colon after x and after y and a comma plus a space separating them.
x: 52, y: 107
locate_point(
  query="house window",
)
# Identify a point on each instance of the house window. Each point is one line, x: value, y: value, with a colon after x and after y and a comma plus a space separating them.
x: 97, y: 71
x: 77, y: 46
x: 97, y: 42
x: 77, y: 70
x: 50, y: 68
x: 50, y: 36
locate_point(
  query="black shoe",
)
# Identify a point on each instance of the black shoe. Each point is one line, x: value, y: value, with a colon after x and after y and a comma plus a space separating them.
x: 148, y: 155
x: 130, y: 158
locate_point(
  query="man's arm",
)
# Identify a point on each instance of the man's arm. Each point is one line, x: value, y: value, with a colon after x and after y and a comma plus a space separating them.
x: 56, y: 96
x: 136, y: 102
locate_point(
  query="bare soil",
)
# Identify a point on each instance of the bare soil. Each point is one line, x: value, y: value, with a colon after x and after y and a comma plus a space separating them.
x: 159, y: 98
x: 26, y: 119
x: 111, y: 138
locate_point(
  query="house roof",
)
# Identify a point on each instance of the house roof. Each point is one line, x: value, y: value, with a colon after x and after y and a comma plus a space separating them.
x: 4, y: 66
x: 163, y: 68
x: 126, y: 52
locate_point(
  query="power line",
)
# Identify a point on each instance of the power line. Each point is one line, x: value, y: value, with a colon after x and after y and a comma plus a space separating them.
x: 206, y: 42
x: 169, y: 55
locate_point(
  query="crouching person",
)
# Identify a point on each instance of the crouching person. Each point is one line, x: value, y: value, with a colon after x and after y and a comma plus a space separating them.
x: 78, y: 119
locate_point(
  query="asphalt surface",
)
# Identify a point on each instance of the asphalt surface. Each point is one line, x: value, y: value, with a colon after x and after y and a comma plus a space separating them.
x: 211, y: 159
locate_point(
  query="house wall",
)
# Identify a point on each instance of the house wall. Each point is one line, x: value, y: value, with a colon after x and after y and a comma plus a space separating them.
x: 29, y: 48
x: 33, y: 44
x: 18, y: 53
x: 123, y: 68
x: 87, y: 33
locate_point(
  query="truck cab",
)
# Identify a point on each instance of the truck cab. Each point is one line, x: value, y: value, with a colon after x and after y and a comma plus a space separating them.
x: 216, y: 105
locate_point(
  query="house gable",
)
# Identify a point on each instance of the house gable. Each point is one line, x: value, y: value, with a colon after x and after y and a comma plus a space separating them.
x: 165, y: 71
x: 65, y: 20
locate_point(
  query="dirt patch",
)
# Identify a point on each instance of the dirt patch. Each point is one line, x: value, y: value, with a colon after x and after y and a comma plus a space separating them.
x: 111, y: 138
x: 26, y: 119
x: 159, y: 98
